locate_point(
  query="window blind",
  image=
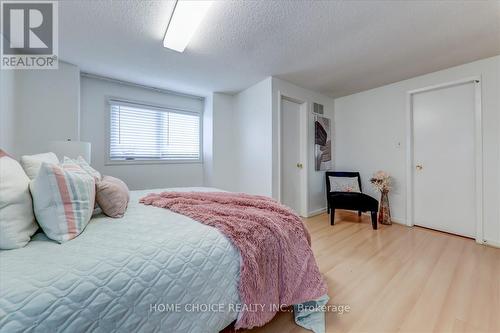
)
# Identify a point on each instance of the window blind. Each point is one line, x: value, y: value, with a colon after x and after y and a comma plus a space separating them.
x: 139, y: 132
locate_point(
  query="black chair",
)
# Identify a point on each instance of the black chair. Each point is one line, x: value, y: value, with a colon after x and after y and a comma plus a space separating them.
x: 350, y: 200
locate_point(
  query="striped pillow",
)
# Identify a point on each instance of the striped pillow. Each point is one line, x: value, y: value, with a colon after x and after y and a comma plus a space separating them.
x: 63, y: 200
x: 80, y: 161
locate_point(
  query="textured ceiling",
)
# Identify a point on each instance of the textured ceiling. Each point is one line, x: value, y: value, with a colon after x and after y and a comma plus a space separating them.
x: 334, y: 47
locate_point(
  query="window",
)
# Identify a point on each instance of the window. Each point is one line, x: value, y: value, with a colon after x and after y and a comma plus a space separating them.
x: 149, y: 133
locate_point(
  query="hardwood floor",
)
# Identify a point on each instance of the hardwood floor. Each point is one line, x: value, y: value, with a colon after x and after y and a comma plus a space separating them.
x: 400, y: 279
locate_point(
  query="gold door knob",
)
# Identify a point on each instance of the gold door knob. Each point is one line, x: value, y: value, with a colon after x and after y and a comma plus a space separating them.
x: 299, y: 165
x: 419, y: 167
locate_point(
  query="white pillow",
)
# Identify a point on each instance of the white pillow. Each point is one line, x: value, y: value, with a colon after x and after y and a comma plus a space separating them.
x: 17, y: 222
x: 344, y: 184
x: 31, y: 163
x: 63, y: 200
x: 85, y: 167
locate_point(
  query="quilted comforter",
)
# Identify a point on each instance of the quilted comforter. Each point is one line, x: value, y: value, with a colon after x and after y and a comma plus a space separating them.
x: 147, y: 272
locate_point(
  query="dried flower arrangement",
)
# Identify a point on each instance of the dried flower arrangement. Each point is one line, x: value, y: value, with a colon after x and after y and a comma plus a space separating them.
x: 381, y: 181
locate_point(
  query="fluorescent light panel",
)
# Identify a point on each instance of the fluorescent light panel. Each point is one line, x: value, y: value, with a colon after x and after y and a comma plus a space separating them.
x: 185, y: 19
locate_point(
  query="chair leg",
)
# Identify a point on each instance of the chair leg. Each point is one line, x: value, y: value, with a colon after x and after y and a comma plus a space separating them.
x: 332, y: 216
x: 374, y: 220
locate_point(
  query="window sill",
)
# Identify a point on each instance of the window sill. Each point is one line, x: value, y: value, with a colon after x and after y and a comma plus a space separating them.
x: 152, y: 162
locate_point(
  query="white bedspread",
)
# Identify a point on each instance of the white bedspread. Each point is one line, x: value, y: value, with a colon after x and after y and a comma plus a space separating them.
x: 111, y: 276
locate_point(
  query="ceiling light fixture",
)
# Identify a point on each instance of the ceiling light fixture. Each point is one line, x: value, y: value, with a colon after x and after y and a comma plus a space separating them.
x: 185, y: 19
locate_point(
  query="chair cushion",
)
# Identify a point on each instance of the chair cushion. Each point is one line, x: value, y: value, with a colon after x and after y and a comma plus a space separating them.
x: 344, y: 184
x: 352, y: 201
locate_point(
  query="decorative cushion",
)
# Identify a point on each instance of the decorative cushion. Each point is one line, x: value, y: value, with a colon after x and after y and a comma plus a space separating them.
x: 63, y: 200
x: 17, y: 222
x: 31, y: 163
x: 112, y: 196
x: 87, y: 168
x: 344, y: 184
x: 90, y: 171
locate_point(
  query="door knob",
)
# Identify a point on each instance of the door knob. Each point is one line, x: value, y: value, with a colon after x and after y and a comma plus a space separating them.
x: 299, y: 165
x: 419, y: 167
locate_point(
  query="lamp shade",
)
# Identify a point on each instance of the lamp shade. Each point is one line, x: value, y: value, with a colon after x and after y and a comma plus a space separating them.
x: 71, y: 149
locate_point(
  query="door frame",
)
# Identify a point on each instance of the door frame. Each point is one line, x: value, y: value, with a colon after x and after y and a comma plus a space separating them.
x: 303, y: 151
x: 478, y: 151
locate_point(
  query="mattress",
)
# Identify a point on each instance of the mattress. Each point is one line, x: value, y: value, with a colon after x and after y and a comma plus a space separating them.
x: 150, y: 271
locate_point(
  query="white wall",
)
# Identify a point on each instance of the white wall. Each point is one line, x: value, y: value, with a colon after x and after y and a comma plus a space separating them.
x: 370, y: 124
x: 316, y: 201
x: 223, y: 140
x: 7, y: 110
x: 245, y: 134
x: 219, y: 162
x: 47, y: 106
x: 94, y: 113
x: 253, y: 139
x: 208, y: 148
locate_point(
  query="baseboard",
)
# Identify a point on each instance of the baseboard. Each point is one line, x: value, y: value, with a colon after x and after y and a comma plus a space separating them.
x: 399, y: 220
x: 316, y: 212
x: 491, y: 243
x: 402, y: 221
x: 396, y: 220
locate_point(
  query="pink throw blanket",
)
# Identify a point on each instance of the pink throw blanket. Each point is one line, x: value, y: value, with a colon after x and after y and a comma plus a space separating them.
x: 277, y: 267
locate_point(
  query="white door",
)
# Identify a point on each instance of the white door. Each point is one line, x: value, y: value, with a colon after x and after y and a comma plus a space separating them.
x: 444, y: 159
x: 290, y: 154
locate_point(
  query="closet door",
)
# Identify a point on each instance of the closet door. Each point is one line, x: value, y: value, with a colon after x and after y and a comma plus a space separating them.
x: 291, y: 166
x: 444, y: 159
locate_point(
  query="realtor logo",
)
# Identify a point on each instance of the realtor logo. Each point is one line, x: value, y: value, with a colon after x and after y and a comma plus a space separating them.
x: 29, y: 35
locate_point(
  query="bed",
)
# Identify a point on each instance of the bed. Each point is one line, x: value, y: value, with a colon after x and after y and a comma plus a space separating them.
x: 122, y: 275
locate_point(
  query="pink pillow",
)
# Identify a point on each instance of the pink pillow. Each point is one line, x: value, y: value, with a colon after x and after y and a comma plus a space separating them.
x: 112, y: 196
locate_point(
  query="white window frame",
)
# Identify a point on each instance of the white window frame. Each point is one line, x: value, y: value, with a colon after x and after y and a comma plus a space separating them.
x: 124, y: 101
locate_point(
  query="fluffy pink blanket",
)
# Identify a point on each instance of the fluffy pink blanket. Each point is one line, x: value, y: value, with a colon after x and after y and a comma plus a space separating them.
x: 277, y: 267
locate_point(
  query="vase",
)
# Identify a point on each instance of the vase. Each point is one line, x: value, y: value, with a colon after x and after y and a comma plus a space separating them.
x: 384, y: 213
